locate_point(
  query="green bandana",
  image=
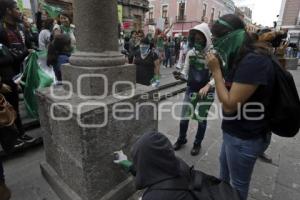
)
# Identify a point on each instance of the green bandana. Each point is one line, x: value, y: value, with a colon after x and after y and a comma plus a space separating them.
x: 200, y: 106
x: 65, y: 29
x: 199, y: 47
x: 229, y: 46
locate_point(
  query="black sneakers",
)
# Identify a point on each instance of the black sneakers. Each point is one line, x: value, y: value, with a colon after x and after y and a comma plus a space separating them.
x: 179, y: 144
x: 27, y: 139
x: 196, y: 149
x: 19, y: 144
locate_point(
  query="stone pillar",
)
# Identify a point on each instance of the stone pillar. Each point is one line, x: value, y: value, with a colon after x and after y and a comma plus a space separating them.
x: 96, y: 48
x: 83, y: 123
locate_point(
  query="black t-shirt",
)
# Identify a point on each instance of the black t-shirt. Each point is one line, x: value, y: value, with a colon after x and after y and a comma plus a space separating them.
x: 145, y: 67
x: 257, y: 70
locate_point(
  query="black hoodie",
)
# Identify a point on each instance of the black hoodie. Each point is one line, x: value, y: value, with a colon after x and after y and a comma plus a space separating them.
x: 154, y: 161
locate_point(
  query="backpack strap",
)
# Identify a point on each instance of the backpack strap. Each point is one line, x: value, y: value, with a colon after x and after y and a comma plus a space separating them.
x: 173, y: 184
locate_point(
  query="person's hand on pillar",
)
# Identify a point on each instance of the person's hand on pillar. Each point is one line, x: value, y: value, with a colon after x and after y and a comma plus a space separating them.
x: 121, y: 159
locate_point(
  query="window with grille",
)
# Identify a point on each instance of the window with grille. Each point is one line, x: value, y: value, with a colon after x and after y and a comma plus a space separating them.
x: 204, y: 10
x: 164, y: 11
x: 212, y: 15
x: 181, y: 10
x: 151, y: 11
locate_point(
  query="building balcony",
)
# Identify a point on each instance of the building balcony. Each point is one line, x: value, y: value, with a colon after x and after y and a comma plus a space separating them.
x: 181, y: 18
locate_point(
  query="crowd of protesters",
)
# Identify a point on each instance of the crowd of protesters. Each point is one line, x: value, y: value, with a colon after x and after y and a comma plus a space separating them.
x: 19, y: 37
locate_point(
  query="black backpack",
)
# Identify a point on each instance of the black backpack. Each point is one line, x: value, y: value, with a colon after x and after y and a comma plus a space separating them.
x: 284, y: 110
x: 200, y: 185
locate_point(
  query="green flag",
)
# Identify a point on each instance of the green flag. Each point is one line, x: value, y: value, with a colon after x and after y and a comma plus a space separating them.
x: 34, y: 78
x: 20, y: 5
x: 53, y: 11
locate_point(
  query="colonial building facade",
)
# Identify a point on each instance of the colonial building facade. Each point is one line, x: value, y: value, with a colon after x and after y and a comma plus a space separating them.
x: 182, y: 15
x: 132, y: 11
x: 289, y: 18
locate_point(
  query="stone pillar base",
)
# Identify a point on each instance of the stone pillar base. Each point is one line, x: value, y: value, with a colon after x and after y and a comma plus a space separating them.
x: 291, y: 63
x: 80, y: 136
x: 122, y: 191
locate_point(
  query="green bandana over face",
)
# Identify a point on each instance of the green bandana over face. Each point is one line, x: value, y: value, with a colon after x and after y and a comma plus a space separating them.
x: 228, y: 47
x: 199, y: 47
x: 65, y: 29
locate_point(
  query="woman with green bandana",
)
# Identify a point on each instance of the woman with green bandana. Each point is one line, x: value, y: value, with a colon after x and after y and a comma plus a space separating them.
x: 247, y: 69
x: 197, y: 75
x: 65, y: 27
x: 147, y: 64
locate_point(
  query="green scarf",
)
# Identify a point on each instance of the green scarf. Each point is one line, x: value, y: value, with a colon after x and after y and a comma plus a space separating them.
x: 229, y: 46
x: 65, y: 29
x: 200, y: 106
x: 53, y: 11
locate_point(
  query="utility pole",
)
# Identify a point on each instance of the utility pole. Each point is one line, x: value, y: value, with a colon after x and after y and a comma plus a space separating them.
x: 34, y: 8
x: 182, y: 20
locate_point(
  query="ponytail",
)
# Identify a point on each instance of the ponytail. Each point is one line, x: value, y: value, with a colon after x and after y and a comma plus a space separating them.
x: 59, y: 45
x: 52, y: 55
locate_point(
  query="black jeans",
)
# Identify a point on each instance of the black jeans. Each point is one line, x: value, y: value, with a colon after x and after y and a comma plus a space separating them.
x: 184, y: 125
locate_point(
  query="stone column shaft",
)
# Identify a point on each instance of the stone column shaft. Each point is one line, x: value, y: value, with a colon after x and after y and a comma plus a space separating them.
x: 96, y: 25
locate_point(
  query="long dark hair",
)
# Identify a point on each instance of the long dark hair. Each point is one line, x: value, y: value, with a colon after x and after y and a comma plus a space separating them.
x: 48, y: 24
x: 60, y: 44
x: 250, y: 43
x: 4, y: 5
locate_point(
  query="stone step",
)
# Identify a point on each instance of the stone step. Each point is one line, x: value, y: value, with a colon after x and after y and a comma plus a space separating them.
x: 171, y: 91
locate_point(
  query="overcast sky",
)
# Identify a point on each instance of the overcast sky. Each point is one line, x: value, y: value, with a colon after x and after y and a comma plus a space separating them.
x: 264, y: 11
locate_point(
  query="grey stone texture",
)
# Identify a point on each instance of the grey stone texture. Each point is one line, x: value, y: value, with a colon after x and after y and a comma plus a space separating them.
x: 96, y: 25
x: 104, y: 78
x: 292, y: 63
x: 82, y: 156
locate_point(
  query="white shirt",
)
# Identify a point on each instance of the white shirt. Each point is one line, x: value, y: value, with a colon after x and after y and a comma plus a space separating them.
x: 44, y: 39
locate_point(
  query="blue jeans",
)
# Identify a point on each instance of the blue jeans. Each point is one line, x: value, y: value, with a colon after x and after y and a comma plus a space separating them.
x: 184, y: 123
x: 168, y: 60
x: 237, y: 160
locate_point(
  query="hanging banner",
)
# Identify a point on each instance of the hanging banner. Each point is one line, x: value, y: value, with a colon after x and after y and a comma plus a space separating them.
x: 120, y: 13
x: 127, y: 25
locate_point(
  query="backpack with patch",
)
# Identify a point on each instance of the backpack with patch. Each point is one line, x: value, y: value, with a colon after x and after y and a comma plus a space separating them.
x: 200, y: 186
x: 284, y: 111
